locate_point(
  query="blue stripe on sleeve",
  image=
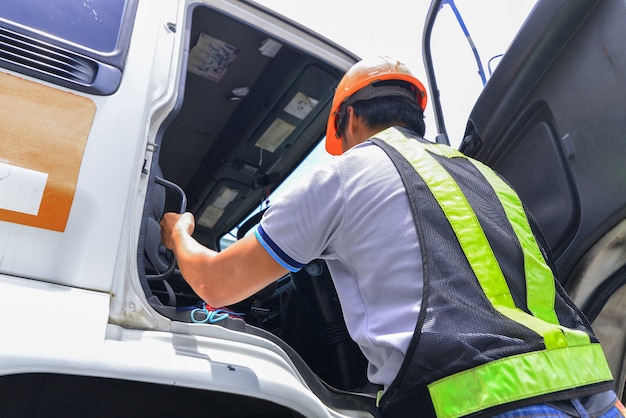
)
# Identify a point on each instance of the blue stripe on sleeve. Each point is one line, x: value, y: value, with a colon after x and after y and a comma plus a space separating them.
x: 275, y: 251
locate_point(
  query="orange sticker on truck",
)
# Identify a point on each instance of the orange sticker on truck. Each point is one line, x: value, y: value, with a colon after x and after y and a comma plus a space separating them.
x: 43, y: 133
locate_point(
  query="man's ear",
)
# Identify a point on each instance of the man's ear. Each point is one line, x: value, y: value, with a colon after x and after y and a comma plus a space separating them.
x: 355, y: 131
x: 351, y: 120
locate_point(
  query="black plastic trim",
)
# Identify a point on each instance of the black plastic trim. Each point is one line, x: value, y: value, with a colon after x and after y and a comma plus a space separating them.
x: 39, y: 59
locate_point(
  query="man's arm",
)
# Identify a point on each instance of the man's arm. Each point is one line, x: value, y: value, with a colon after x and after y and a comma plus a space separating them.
x: 219, y: 278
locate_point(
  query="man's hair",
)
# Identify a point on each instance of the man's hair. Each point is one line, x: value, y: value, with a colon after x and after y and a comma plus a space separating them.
x: 386, y: 111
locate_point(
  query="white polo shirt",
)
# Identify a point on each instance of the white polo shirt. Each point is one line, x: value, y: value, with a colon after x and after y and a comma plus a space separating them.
x: 354, y: 213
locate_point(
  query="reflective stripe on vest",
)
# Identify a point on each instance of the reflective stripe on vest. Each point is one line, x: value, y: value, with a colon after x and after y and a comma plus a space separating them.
x: 513, y: 378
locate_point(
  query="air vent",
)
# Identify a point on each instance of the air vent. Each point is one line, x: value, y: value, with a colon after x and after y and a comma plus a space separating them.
x: 57, y: 65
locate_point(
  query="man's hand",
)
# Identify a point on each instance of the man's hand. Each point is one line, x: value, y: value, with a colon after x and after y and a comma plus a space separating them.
x: 223, y: 278
x: 174, y: 223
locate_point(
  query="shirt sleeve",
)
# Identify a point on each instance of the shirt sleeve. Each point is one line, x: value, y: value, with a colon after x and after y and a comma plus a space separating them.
x: 301, y: 225
x: 279, y: 255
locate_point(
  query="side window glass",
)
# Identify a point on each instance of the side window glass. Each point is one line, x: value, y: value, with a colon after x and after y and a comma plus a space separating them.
x: 94, y: 24
x: 80, y: 44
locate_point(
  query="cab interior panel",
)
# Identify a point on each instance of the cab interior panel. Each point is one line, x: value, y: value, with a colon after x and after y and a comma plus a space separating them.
x: 557, y: 199
x: 561, y: 158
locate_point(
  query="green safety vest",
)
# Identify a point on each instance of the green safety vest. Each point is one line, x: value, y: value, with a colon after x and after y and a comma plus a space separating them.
x: 496, y: 331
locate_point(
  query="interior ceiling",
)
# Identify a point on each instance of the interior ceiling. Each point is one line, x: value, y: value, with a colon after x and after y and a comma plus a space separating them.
x: 213, y: 140
x: 207, y: 107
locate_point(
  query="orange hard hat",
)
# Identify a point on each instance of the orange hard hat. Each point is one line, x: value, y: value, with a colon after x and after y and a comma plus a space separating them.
x: 360, y: 78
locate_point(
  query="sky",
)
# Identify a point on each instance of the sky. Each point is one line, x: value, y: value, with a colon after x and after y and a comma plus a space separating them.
x: 395, y: 28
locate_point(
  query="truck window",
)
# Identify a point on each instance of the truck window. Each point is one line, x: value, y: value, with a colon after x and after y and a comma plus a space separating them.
x: 81, y: 45
x: 94, y: 24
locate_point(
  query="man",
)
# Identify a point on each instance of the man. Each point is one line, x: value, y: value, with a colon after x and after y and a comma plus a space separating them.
x: 441, y: 278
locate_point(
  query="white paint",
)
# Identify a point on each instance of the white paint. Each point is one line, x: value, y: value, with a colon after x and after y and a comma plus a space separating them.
x: 21, y: 189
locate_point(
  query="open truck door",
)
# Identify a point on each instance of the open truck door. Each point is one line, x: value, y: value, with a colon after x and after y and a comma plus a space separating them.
x: 551, y: 121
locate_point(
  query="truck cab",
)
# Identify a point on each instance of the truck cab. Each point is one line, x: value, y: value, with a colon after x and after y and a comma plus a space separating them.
x: 114, y: 112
